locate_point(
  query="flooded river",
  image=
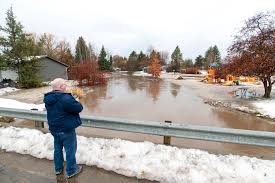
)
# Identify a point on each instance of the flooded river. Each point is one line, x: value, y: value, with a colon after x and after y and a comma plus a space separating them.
x: 144, y: 98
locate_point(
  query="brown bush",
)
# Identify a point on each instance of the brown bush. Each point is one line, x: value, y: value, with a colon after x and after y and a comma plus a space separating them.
x: 87, y: 74
x: 6, y: 119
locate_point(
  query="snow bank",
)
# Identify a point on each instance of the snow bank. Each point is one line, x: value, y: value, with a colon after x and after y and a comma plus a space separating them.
x: 9, y: 103
x: 163, y: 74
x: 266, y: 107
x: 203, y: 72
x: 145, y: 159
x: 7, y: 90
x: 141, y: 73
x: 255, y: 84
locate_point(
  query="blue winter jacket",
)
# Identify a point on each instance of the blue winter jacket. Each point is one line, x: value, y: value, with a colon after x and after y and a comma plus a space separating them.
x: 62, y: 111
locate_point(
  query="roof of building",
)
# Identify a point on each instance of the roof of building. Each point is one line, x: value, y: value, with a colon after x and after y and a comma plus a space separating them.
x: 45, y: 56
x: 214, y: 64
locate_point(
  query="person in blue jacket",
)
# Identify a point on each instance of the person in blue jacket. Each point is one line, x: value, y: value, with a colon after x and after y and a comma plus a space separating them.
x: 63, y: 118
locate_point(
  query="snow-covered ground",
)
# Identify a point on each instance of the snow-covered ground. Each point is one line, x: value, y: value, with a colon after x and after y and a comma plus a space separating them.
x: 266, y: 107
x: 9, y: 103
x: 203, y: 72
x: 7, y: 90
x: 141, y: 73
x: 163, y: 74
x: 145, y: 159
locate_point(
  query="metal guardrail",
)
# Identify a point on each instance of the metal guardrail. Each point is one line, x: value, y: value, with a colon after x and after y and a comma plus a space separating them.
x: 228, y: 135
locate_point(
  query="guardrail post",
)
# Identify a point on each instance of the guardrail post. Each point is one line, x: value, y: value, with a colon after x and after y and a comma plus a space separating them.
x: 167, y: 139
x: 38, y: 124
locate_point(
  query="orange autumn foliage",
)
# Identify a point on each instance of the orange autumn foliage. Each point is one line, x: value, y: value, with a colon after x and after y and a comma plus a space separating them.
x: 155, y: 66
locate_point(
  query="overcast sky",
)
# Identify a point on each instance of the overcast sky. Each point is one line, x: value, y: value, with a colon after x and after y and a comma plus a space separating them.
x: 126, y: 25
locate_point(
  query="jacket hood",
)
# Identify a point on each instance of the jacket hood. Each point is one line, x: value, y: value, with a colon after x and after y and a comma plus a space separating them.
x: 52, y: 97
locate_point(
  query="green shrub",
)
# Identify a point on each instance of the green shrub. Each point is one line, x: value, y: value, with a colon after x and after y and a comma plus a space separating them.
x: 28, y: 76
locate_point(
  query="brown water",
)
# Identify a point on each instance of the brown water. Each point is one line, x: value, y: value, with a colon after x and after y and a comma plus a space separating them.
x: 144, y: 98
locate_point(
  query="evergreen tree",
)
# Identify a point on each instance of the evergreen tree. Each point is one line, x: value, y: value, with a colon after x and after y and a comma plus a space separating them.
x: 142, y: 61
x: 18, y: 51
x: 212, y: 55
x: 176, y: 55
x: 199, y: 61
x: 103, y: 62
x: 141, y: 56
x: 11, y: 44
x: 133, y: 54
x: 132, y: 64
x: 217, y: 55
x: 82, y: 52
x: 176, y: 59
x: 3, y: 64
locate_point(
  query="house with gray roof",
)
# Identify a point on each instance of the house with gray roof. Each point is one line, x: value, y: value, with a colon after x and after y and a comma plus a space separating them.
x: 50, y: 69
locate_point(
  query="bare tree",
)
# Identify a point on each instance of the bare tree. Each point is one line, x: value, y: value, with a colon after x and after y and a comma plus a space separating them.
x: 63, y: 52
x: 253, y: 50
x: 49, y: 44
x: 59, y: 50
x: 164, y: 56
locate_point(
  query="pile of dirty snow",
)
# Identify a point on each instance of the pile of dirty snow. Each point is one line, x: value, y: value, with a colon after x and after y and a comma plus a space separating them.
x: 141, y: 73
x: 266, y: 107
x: 9, y: 103
x: 7, y: 90
x: 146, y: 160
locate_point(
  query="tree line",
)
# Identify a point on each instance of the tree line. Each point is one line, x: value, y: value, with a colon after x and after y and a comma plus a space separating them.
x: 138, y: 61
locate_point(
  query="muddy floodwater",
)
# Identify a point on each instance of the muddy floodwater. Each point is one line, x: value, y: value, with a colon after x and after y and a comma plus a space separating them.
x: 144, y: 98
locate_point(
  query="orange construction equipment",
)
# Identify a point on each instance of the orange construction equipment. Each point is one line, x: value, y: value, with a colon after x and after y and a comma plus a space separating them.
x: 241, y: 78
x: 230, y: 78
x: 252, y: 79
x: 211, y: 75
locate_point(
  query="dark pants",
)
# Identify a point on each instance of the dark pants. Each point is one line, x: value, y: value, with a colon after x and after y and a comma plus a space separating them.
x: 68, y: 141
